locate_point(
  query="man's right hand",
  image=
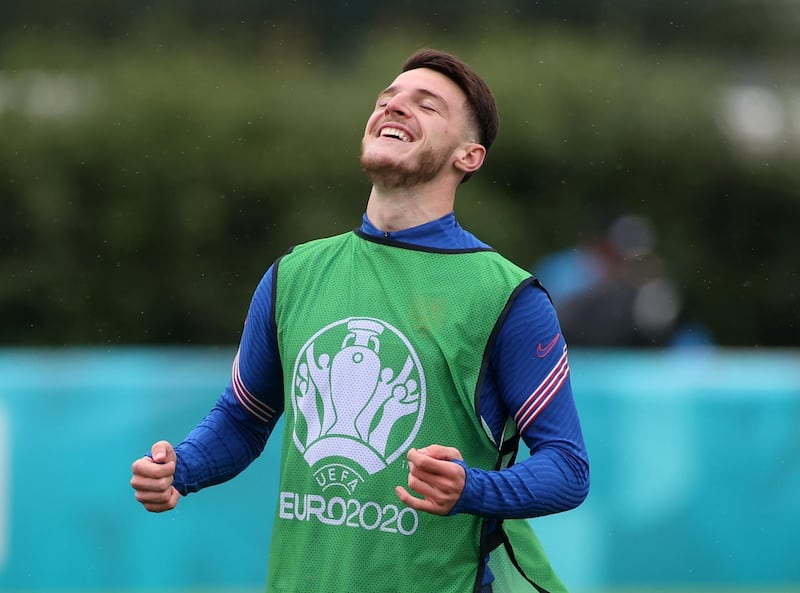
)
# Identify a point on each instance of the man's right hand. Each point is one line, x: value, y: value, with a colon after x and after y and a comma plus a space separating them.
x: 152, y: 478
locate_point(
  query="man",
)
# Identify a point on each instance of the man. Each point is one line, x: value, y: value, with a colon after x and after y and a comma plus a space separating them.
x: 408, y: 358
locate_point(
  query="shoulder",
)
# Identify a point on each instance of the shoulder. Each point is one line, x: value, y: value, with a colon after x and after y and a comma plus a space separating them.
x: 531, y: 315
x: 299, y: 255
x: 318, y: 244
x: 502, y: 265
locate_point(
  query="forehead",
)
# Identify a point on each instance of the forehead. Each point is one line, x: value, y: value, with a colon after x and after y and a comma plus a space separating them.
x: 426, y: 81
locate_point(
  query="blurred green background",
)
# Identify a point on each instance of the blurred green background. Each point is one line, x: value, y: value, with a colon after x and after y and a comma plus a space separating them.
x: 155, y: 158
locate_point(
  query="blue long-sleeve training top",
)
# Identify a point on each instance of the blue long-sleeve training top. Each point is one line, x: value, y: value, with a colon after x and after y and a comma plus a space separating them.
x: 528, y: 380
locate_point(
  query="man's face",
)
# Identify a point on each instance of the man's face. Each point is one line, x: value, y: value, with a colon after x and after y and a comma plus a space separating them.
x: 418, y: 122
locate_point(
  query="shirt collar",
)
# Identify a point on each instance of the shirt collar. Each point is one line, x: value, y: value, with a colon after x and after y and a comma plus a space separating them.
x: 444, y: 232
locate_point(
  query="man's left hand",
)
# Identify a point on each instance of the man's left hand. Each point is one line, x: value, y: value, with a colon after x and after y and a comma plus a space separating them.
x: 433, y: 475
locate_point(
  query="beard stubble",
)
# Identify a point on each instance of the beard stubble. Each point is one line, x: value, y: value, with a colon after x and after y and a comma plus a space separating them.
x: 424, y: 167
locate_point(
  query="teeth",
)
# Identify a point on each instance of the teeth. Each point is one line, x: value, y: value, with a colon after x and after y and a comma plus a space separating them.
x: 395, y: 133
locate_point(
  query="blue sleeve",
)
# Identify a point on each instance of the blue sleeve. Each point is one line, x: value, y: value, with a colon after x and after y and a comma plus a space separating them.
x: 529, y: 380
x: 235, y: 431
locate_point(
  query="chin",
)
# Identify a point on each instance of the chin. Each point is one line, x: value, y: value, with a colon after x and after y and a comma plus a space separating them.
x: 381, y: 155
x: 393, y: 171
x: 380, y: 165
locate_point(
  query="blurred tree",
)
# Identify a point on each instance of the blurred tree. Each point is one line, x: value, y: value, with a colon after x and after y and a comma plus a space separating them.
x: 734, y: 26
x: 151, y: 172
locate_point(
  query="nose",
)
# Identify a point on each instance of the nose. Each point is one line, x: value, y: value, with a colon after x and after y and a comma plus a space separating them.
x: 397, y: 105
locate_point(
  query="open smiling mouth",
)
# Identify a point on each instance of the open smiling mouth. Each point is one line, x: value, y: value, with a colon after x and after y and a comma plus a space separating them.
x: 394, y: 133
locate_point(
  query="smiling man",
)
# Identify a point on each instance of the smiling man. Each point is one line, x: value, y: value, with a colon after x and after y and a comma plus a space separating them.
x: 409, y: 359
x: 428, y: 130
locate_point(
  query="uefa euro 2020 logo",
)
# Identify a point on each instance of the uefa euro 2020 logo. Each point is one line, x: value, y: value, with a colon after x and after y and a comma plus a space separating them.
x: 358, y: 392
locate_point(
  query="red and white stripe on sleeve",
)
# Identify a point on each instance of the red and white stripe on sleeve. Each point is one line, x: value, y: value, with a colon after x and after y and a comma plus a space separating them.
x: 248, y: 401
x: 542, y: 395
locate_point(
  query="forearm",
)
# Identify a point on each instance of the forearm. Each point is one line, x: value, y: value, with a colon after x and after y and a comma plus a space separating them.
x: 220, y: 447
x: 551, y: 481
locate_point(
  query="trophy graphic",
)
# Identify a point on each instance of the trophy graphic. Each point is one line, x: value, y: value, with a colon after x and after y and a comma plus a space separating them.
x: 353, y: 382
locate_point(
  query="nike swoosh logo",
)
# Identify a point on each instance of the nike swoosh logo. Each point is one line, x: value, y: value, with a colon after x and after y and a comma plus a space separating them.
x: 542, y: 351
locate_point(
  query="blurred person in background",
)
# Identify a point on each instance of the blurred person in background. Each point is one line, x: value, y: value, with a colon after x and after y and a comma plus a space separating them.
x: 408, y: 359
x: 613, y: 290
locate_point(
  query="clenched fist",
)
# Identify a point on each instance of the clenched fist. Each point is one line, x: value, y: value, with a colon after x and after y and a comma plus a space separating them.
x: 152, y: 478
x: 433, y: 475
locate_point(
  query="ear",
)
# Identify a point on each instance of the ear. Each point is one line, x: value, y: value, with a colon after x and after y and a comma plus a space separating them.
x: 469, y: 157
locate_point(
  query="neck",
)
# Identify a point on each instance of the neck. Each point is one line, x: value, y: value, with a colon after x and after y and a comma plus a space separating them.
x: 396, y: 209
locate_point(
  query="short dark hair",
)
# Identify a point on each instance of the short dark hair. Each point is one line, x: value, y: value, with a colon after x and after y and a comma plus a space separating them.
x: 479, y: 98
